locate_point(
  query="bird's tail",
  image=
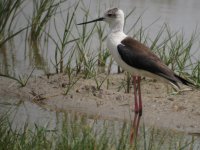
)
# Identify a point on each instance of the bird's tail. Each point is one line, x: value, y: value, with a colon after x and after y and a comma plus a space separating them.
x: 184, y: 81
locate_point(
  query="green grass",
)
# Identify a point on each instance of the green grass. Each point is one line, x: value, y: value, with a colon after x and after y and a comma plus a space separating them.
x: 43, y: 11
x: 9, y: 10
x: 73, y: 48
x: 64, y: 40
x: 76, y: 132
x: 21, y: 79
x: 74, y: 55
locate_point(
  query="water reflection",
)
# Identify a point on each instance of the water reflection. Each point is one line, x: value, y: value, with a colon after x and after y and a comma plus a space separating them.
x: 24, y: 114
x: 7, y: 59
x: 35, y: 54
x: 4, y: 59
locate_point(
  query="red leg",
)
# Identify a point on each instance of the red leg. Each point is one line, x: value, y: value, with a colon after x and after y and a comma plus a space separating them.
x: 134, y: 125
x: 135, y: 94
x: 138, y: 108
x: 133, y: 129
x: 140, y: 97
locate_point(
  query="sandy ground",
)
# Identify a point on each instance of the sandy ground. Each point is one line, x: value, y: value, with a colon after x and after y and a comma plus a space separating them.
x: 161, y: 108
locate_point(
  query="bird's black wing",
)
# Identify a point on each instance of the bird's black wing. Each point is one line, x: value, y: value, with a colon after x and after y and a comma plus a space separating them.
x: 139, y: 56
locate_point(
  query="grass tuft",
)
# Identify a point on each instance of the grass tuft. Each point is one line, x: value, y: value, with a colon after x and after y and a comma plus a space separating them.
x: 78, y: 132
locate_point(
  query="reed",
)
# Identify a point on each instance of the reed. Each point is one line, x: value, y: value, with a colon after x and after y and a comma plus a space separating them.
x: 77, y: 132
x: 9, y: 10
x: 74, y: 56
x: 74, y: 52
x: 43, y: 10
x: 21, y: 79
x: 85, y: 58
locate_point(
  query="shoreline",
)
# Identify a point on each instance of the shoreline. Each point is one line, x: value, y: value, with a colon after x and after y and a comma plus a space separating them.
x: 160, y: 108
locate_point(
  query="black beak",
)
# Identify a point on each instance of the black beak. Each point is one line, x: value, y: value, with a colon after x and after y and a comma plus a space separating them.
x: 99, y: 19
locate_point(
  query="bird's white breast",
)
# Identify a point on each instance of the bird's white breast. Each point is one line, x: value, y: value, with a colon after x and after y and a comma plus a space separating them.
x: 114, y: 39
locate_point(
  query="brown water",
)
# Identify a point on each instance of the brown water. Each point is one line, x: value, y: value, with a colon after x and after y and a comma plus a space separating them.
x: 18, y: 58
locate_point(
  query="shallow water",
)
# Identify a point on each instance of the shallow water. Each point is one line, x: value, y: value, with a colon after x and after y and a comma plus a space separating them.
x: 27, y: 114
x: 18, y: 57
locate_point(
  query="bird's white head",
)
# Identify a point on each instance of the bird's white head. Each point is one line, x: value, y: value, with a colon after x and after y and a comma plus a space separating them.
x: 114, y: 17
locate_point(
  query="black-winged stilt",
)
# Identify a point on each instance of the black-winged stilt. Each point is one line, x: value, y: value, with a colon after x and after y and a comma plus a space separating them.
x: 135, y: 58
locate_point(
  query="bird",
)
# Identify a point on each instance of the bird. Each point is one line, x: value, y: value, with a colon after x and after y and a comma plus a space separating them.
x: 135, y: 58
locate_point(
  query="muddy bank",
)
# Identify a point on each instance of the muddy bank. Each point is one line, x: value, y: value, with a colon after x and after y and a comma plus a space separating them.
x: 161, y: 108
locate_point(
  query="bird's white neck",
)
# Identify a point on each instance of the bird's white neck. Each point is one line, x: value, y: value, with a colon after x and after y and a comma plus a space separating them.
x: 117, y: 26
x: 116, y: 34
